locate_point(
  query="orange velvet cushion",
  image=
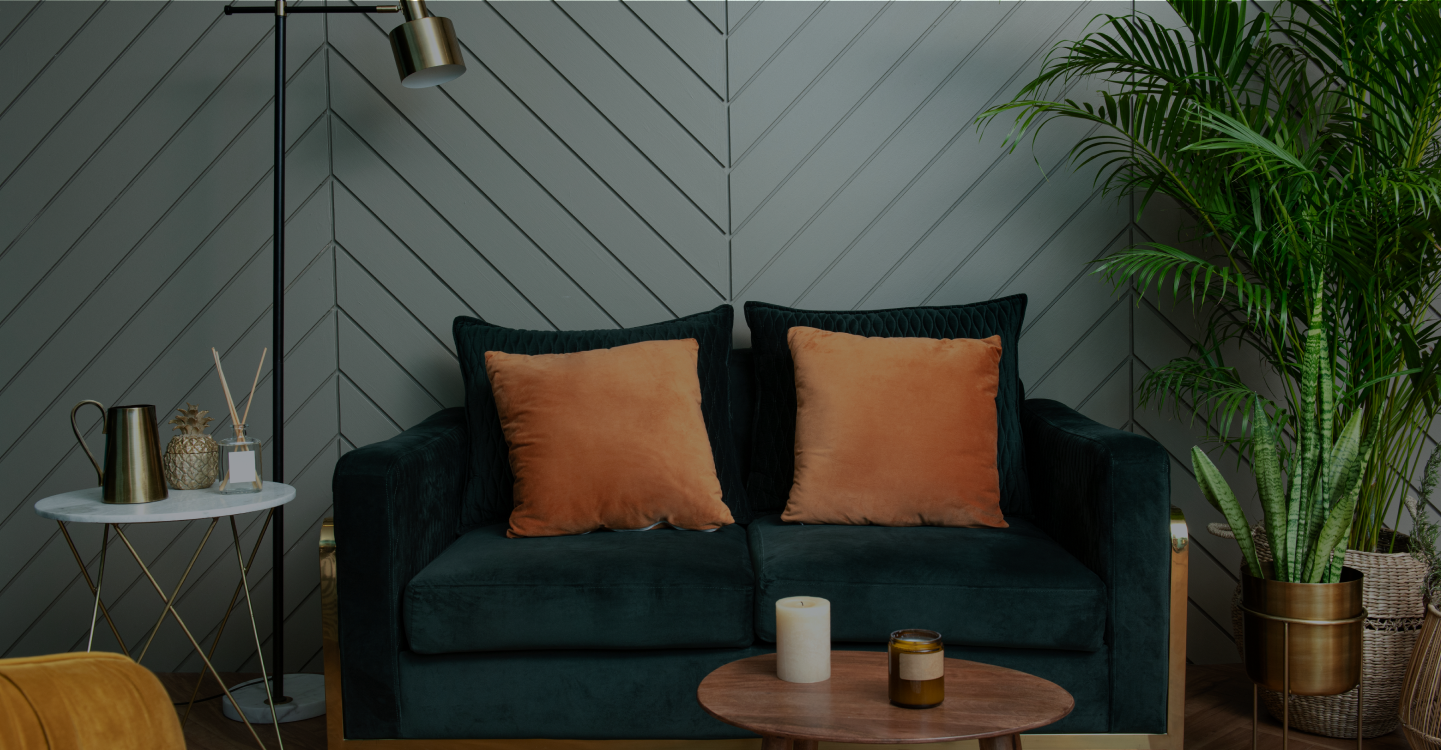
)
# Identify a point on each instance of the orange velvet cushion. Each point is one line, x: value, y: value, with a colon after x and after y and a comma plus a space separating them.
x: 607, y: 439
x: 895, y: 431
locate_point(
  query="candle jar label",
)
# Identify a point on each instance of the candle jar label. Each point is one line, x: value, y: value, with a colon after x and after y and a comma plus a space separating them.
x: 922, y: 666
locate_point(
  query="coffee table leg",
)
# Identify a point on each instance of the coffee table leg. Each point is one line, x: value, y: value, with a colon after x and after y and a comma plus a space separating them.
x: 776, y: 743
x: 804, y: 744
x: 1003, y: 742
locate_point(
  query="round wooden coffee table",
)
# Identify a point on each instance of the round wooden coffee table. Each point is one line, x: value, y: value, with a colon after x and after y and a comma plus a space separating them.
x: 986, y: 703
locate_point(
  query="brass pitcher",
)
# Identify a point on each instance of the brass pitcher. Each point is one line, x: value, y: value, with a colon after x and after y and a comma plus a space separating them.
x: 132, y: 472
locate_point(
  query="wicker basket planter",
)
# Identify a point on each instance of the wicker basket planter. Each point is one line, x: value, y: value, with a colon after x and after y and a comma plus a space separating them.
x: 1420, y: 710
x: 1395, y: 612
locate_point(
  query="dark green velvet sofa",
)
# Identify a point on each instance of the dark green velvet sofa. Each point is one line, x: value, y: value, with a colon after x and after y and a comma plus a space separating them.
x: 435, y: 633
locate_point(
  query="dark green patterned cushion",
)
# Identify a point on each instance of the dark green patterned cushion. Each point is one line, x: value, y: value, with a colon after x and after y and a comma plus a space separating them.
x: 772, y: 465
x: 488, y: 491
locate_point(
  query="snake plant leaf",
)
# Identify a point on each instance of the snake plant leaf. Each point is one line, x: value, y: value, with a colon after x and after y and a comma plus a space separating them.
x: 1341, y: 464
x: 1266, y: 464
x: 1219, y: 495
x: 1336, y: 529
x: 1303, y: 475
x: 1327, y: 420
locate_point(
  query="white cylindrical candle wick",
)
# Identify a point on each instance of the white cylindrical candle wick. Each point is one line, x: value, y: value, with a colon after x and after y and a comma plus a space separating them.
x: 803, y: 639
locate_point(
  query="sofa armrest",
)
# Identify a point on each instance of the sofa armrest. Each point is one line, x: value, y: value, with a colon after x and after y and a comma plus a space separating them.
x: 397, y: 506
x: 1105, y: 496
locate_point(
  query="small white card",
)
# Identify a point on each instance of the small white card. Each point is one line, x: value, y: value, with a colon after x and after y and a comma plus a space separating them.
x: 241, y: 466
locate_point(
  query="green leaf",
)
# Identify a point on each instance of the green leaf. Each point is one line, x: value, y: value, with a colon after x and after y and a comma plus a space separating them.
x: 1267, y: 467
x: 1219, y: 494
x: 1336, y: 529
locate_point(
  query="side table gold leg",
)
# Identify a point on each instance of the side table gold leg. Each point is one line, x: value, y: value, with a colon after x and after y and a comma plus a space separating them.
x: 255, y: 630
x: 176, y: 593
x: 91, y: 584
x: 234, y: 599
x: 193, y: 643
x: 100, y: 578
x: 1003, y: 742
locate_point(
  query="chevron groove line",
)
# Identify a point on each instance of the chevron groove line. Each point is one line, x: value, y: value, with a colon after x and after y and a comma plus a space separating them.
x: 632, y: 78
x: 398, y: 301
x: 1083, y: 273
x: 220, y: 86
x: 81, y: 98
x: 438, y: 277
x: 41, y: 73
x: 513, y: 222
x: 398, y: 364
x: 180, y: 198
x: 636, y: 214
x: 1001, y: 224
x: 678, y: 58
x: 536, y: 245
x: 1075, y: 345
x: 760, y: 138
x: 856, y: 173
x: 762, y: 69
x: 599, y: 112
x: 703, y: 15
x: 1104, y: 381
x: 438, y: 213
x: 20, y: 24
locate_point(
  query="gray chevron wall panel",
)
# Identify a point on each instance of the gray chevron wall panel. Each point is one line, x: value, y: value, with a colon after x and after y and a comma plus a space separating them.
x: 600, y: 164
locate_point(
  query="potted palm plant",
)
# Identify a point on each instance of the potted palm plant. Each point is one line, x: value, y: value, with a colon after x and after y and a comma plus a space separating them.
x: 1302, y: 146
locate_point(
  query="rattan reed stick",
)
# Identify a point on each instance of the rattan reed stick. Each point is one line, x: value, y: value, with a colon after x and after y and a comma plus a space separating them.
x: 246, y: 416
x: 230, y: 402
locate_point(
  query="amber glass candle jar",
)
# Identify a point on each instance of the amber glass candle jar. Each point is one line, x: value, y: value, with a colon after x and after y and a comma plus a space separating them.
x: 918, y: 669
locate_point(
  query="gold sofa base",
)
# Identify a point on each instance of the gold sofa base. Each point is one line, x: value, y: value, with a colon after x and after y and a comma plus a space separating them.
x: 1171, y: 740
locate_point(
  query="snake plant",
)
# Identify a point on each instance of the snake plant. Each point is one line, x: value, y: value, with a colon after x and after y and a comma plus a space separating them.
x: 1311, y: 517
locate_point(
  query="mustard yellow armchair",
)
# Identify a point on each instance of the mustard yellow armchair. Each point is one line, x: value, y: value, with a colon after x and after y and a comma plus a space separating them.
x: 83, y: 701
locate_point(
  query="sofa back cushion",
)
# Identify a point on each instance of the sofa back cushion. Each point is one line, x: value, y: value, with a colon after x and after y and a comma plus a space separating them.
x: 772, y: 463
x: 490, y: 483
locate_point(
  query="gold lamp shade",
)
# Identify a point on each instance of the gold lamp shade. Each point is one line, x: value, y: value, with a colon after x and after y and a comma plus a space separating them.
x: 426, y: 50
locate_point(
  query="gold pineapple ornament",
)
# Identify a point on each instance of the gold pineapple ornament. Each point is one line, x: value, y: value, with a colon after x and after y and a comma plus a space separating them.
x: 192, y: 458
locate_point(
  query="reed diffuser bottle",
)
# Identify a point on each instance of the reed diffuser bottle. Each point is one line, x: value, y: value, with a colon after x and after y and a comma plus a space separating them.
x: 240, y: 463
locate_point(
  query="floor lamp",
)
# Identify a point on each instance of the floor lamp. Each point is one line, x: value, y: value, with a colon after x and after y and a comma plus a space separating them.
x: 426, y: 54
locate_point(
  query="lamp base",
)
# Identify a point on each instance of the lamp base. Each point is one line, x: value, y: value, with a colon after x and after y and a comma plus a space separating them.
x: 307, y: 700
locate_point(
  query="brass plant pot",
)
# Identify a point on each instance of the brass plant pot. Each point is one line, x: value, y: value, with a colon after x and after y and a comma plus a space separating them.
x: 1323, y: 623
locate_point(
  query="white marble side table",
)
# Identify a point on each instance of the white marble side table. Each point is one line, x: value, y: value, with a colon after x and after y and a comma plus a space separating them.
x: 85, y: 506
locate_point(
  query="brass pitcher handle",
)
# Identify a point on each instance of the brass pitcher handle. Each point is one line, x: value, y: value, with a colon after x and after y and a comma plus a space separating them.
x: 100, y: 473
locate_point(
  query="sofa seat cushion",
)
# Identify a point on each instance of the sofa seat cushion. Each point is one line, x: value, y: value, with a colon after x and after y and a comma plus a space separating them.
x: 662, y: 588
x: 1012, y: 587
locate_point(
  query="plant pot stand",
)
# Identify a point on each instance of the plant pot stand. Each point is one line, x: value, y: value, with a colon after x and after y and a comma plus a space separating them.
x: 1286, y: 623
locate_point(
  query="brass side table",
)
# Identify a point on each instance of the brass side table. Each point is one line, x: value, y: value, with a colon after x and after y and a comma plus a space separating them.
x: 85, y: 506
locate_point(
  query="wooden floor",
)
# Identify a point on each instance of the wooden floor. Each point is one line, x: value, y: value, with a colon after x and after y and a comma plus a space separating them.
x: 1218, y: 715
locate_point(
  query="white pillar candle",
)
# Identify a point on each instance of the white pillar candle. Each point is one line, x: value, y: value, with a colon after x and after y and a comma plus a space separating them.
x: 803, y: 639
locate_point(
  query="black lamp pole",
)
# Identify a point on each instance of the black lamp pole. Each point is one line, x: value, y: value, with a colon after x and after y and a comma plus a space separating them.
x: 427, y: 53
